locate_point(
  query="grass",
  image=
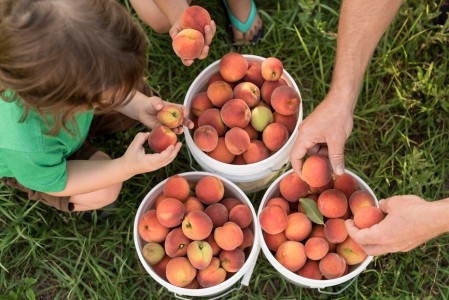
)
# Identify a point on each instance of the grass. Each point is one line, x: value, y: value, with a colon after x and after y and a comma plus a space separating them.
x: 399, y: 145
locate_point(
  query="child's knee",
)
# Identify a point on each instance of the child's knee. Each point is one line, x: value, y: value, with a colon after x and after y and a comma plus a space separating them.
x: 110, y: 194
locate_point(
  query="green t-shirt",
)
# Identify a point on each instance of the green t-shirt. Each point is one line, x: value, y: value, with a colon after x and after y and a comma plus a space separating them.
x: 28, y: 153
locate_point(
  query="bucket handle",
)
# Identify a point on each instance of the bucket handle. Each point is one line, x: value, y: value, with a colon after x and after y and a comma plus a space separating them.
x: 190, y: 161
x: 283, y: 168
x: 322, y: 291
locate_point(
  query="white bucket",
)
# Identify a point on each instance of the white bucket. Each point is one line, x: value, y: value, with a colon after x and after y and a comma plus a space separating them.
x: 273, y: 191
x: 251, y: 177
x: 231, y: 190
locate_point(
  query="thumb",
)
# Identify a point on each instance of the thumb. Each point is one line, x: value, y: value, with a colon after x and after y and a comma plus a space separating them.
x: 336, y: 155
x: 157, y: 103
x: 139, y: 139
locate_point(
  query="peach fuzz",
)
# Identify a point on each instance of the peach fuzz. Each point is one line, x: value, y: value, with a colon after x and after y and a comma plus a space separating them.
x: 176, y: 187
x: 218, y: 213
x: 199, y: 254
x: 285, y: 100
x: 316, y: 248
x: 212, y: 117
x: 273, y: 241
x: 230, y: 203
x: 288, y: 121
x: 200, y: 103
x: 256, y: 152
x: 292, y: 187
x: 219, y: 92
x: 346, y: 184
x: 180, y: 272
x: 248, y: 238
x: 332, y: 266
x: 195, y: 17
x: 274, y: 136
x: 221, y: 152
x: 254, y: 73
x: 153, y: 253
x: 235, y: 113
x: 229, y: 236
x: 238, y: 160
x: 248, y: 92
x: 188, y: 43
x: 268, y: 87
x: 161, y: 138
x: 161, y: 267
x: 335, y: 230
x: 281, y: 202
x: 192, y: 204
x: 368, y: 216
x: 176, y: 243
x: 170, y: 212
x: 197, y: 225
x: 273, y: 219
x: 237, y: 140
x: 233, y: 67
x: 209, y: 190
x: 233, y: 260
x: 360, y: 199
x: 252, y: 133
x: 241, y: 215
x: 206, y: 138
x: 317, y: 170
x: 291, y: 255
x: 271, y: 69
x: 332, y: 203
x: 212, y: 274
x: 351, y: 252
x: 150, y: 230
x: 215, y: 248
x: 298, y: 227
x: 311, y: 270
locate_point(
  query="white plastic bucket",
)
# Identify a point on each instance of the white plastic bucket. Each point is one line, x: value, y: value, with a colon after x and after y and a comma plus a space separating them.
x: 231, y: 190
x: 273, y: 191
x: 251, y: 177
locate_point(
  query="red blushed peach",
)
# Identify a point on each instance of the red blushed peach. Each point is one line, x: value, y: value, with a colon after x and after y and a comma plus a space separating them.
x: 237, y: 140
x: 161, y: 138
x: 291, y: 255
x: 253, y: 133
x: 176, y: 243
x: 209, y: 190
x: 271, y: 69
x: 268, y: 87
x: 248, y: 238
x: 153, y: 253
x: 292, y: 187
x: 236, y: 113
x: 254, y: 74
x: 248, y: 92
x: 298, y: 227
x: 346, y: 184
x: 219, y: 92
x: 201, y: 103
x: 317, y: 231
x: 233, y: 260
x: 221, y: 152
x: 233, y: 67
x: 256, y: 152
x: 263, y: 104
x: 161, y: 267
x: 238, y: 160
x: 180, y: 272
x: 288, y: 121
x: 360, y: 199
x: 281, y: 202
x: 192, y: 204
x: 193, y: 285
x: 176, y: 187
x: 197, y: 225
x: 215, y: 77
x: 212, y: 274
x: 150, y: 230
x: 241, y: 215
x: 316, y: 248
x: 332, y: 266
x: 335, y: 230
x: 319, y: 190
x: 317, y: 170
x: 199, y: 254
x: 170, y: 212
x: 206, y: 138
x: 332, y: 203
x: 273, y: 241
x: 158, y: 200
x: 274, y: 136
x: 170, y: 115
x: 195, y: 17
x: 347, y: 215
x: 229, y: 236
x: 212, y: 117
x: 351, y: 252
x: 188, y: 43
x: 368, y: 216
x: 217, y: 213
x: 285, y: 100
x: 215, y: 248
x: 273, y: 219
x: 230, y: 203
x: 311, y: 270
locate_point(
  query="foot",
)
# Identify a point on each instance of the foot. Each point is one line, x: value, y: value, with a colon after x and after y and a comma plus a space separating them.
x: 241, y: 9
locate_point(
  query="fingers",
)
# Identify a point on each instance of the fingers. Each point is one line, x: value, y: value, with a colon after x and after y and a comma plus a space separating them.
x: 362, y: 236
x: 204, y: 52
x: 139, y: 139
x: 336, y: 149
x: 174, y: 30
x: 209, y: 31
x: 157, y: 103
x: 187, y: 62
x: 384, y: 205
x: 165, y: 157
x: 314, y: 150
x: 375, y: 250
x: 298, y: 152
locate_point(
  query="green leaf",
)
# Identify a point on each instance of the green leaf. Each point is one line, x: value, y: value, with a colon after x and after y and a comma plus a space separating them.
x: 312, y: 210
x: 30, y: 294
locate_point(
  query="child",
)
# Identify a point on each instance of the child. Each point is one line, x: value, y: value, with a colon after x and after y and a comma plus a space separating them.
x: 61, y: 60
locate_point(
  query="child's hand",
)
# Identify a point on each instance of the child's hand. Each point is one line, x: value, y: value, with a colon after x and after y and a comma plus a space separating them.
x: 136, y: 161
x: 209, y: 34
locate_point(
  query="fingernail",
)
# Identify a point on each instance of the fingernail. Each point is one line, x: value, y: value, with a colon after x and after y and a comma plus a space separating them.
x: 340, y: 169
x: 159, y: 106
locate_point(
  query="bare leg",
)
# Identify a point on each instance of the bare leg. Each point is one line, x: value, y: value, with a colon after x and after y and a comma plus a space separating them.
x: 150, y: 13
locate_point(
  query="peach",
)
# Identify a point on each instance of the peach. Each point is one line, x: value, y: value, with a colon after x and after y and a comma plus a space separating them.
x: 233, y: 67
x: 158, y: 200
x: 248, y: 92
x: 256, y: 152
x: 235, y: 113
x: 271, y: 69
x: 317, y: 231
x: 209, y: 190
x: 160, y: 267
x: 199, y: 254
x: 197, y: 225
x: 316, y: 248
x: 360, y: 199
x: 206, y: 138
x: 285, y: 100
x: 229, y: 236
x: 193, y: 285
x: 219, y: 92
x: 237, y: 140
x: 317, y: 170
x: 273, y: 219
x: 335, y: 230
x: 233, y: 260
x: 291, y: 255
x: 281, y: 202
x: 212, y: 117
x: 347, y: 215
x: 253, y: 134
x: 221, y: 152
x: 241, y: 215
x: 153, y: 253
x: 332, y: 266
x: 192, y: 204
x: 188, y: 43
x: 215, y: 248
x: 351, y: 252
x: 170, y: 212
x: 176, y: 243
x: 176, y: 187
x: 161, y: 138
x: 218, y: 213
x: 150, y: 230
x: 273, y: 241
x: 194, y: 120
x: 195, y: 17
x: 201, y: 103
x: 319, y: 190
x: 288, y: 121
x: 180, y: 272
x: 368, y: 216
x: 268, y: 87
x: 215, y: 77
x: 346, y: 184
x: 292, y: 187
x: 274, y: 136
x: 230, y: 203
x: 170, y: 115
x: 332, y: 203
x: 298, y: 227
x: 239, y: 160
x: 311, y: 270
x: 248, y: 238
x: 313, y: 197
x: 212, y: 274
x: 261, y: 117
x: 254, y: 73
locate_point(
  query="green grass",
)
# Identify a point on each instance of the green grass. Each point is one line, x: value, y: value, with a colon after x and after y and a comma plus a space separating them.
x: 399, y: 145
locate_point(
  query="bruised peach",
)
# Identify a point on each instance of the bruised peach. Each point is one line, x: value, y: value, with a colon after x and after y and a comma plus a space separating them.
x: 176, y: 187
x: 209, y: 190
x: 285, y: 100
x: 254, y: 73
x: 170, y: 212
x: 346, y: 184
x: 229, y: 203
x: 237, y: 140
x: 298, y: 227
x: 212, y: 274
x: 217, y: 213
x: 317, y: 170
x: 229, y: 236
x: 311, y: 270
x: 291, y: 255
x: 233, y: 260
x: 332, y: 266
x: 248, y: 238
x: 248, y: 92
x: 180, y: 272
x: 241, y: 215
x: 188, y: 43
x: 273, y: 219
x: 335, y: 230
x: 195, y: 17
x: 150, y: 230
x: 176, y: 243
x: 256, y: 152
x: 201, y: 103
x: 274, y: 136
x: 273, y: 241
x: 215, y: 248
x: 221, y: 152
x: 360, y: 199
x: 160, y: 267
x: 236, y: 113
x: 212, y: 117
x: 288, y: 121
x: 316, y: 248
x: 368, y: 216
x: 271, y: 69
x: 292, y: 187
x: 268, y: 87
x: 161, y: 138
x: 199, y: 254
x: 233, y: 67
x: 219, y: 92
x: 206, y: 138
x: 281, y: 202
x: 192, y: 204
x: 153, y: 253
x: 252, y: 133
x: 197, y: 225
x: 332, y: 203
x: 351, y: 252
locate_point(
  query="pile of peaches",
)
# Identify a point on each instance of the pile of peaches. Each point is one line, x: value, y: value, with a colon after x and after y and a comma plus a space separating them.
x: 195, y: 238
x: 247, y: 112
x: 304, y: 226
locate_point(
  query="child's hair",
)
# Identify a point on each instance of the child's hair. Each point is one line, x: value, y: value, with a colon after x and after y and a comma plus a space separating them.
x: 63, y: 56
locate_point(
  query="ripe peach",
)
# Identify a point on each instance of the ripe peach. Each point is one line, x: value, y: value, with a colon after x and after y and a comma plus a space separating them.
x: 248, y: 92
x: 180, y: 272
x: 233, y: 260
x: 170, y: 115
x: 153, y: 253
x: 254, y: 73
x: 274, y: 136
x: 212, y: 117
x: 192, y: 204
x: 188, y: 43
x: 176, y: 243
x: 285, y: 100
x: 319, y: 190
x: 161, y: 138
x: 200, y: 103
x: 291, y: 255
x: 347, y: 215
x: 256, y: 152
x: 273, y: 219
x: 206, y: 138
x: 335, y: 230
x: 311, y: 270
x: 221, y: 152
x: 268, y: 87
x: 317, y: 170
x: 332, y: 203
x: 292, y: 187
x: 212, y: 274
x: 316, y: 248
x: 229, y: 236
x: 239, y: 160
x: 170, y: 212
x: 199, y: 254
x: 237, y: 140
x: 158, y: 200
x: 288, y: 121
x: 346, y: 184
x: 233, y: 67
x: 273, y: 241
x: 253, y: 134
x: 368, y: 216
x: 193, y: 285
x: 150, y: 230
x: 218, y: 213
x: 235, y: 113
x: 241, y: 215
x: 176, y: 187
x: 298, y: 228
x: 281, y: 202
x: 211, y: 241
x: 332, y: 266
x: 197, y: 225
x: 230, y: 203
x: 261, y: 117
x: 195, y: 17
x: 360, y: 199
x: 351, y: 252
x: 215, y: 77
x: 219, y: 92
x: 161, y: 266
x: 271, y: 69
x: 248, y: 238
x: 209, y: 190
